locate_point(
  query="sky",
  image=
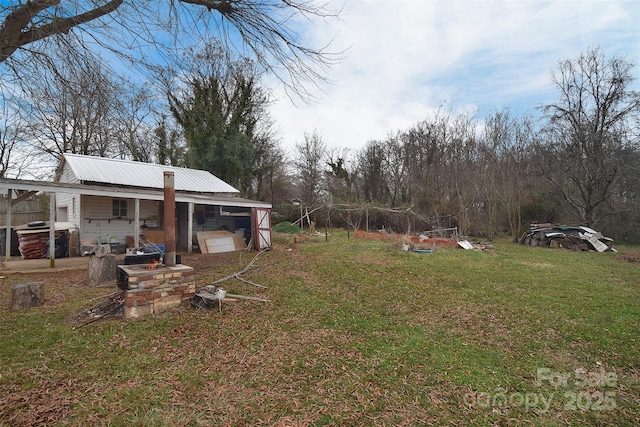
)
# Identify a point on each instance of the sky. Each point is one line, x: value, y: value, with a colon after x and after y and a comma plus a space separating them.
x: 407, y: 58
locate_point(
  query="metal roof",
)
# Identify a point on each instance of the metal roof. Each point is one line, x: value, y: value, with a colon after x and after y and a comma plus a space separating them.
x: 138, y: 193
x: 89, y: 169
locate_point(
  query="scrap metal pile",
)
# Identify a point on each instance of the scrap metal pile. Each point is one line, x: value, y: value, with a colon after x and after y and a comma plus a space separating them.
x: 576, y: 238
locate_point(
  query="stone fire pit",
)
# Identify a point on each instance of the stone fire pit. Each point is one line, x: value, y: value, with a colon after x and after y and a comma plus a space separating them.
x: 153, y: 288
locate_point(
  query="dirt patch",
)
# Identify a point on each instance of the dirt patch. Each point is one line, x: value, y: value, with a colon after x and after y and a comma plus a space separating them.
x: 59, y: 286
x: 633, y: 257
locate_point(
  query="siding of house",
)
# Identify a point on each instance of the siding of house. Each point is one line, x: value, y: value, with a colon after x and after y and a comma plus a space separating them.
x: 68, y: 204
x: 98, y: 221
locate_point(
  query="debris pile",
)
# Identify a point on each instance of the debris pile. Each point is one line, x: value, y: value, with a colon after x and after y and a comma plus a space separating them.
x: 482, y: 246
x: 446, y: 237
x: 110, y: 306
x: 211, y: 295
x: 577, y: 238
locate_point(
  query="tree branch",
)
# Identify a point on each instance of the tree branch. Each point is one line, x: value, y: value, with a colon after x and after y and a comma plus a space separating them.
x: 18, y: 29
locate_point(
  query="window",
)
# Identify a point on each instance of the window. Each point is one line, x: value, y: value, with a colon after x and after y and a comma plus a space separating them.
x: 119, y: 208
x: 210, y: 211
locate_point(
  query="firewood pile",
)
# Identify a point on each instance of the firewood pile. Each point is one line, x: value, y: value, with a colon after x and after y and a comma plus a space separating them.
x: 110, y: 306
x: 577, y: 238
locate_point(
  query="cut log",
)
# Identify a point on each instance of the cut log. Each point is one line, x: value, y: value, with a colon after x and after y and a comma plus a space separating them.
x: 102, y: 269
x: 27, y: 295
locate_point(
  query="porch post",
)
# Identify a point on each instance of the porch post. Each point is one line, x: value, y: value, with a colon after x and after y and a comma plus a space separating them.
x: 8, y: 222
x: 169, y: 220
x: 190, y: 229
x: 52, y: 230
x: 136, y: 224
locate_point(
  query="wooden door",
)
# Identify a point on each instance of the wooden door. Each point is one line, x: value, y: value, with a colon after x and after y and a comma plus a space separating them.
x: 261, y: 224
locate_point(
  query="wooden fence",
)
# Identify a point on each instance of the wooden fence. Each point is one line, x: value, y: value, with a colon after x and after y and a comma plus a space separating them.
x: 34, y: 209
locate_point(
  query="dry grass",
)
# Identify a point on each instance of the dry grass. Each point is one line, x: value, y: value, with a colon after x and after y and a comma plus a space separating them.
x: 355, y: 334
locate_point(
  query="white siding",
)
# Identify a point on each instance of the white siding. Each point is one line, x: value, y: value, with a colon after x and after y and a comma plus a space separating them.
x: 67, y: 175
x: 98, y: 222
x: 70, y: 202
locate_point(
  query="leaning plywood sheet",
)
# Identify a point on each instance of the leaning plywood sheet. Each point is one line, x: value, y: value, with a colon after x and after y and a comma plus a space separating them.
x: 465, y: 244
x: 597, y: 244
x: 212, y: 242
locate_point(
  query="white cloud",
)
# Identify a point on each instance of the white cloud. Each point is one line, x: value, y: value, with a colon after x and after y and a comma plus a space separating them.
x: 407, y: 58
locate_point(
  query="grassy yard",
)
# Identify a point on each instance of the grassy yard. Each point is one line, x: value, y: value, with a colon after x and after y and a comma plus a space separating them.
x: 357, y: 333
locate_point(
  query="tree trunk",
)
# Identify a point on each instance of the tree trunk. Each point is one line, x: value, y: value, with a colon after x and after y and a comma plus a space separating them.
x: 102, y: 269
x: 27, y: 295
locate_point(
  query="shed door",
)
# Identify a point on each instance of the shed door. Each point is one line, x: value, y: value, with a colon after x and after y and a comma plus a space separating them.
x: 262, y: 228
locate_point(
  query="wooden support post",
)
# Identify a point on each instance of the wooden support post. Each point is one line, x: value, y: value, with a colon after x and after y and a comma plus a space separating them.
x: 190, y: 229
x: 8, y: 227
x: 52, y: 230
x: 136, y: 225
x: 326, y: 224
x: 366, y: 213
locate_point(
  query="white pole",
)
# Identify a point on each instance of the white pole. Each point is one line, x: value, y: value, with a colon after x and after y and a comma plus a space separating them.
x: 52, y: 230
x: 8, y: 227
x: 136, y: 225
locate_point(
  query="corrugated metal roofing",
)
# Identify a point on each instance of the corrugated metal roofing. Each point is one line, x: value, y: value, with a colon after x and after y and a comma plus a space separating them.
x: 146, y: 193
x: 89, y: 169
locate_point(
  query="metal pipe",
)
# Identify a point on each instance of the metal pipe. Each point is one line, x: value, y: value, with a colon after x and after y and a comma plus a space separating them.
x: 169, y: 220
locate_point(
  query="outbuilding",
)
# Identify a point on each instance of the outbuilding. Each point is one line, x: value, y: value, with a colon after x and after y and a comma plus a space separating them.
x: 119, y: 202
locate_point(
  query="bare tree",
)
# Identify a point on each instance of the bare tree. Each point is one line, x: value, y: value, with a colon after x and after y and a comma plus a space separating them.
x: 134, y: 28
x: 425, y: 146
x: 397, y: 165
x: 461, y: 150
x: 73, y: 105
x: 134, y: 134
x: 269, y: 169
x: 506, y: 145
x: 11, y: 136
x: 372, y: 174
x: 587, y: 131
x: 309, y: 163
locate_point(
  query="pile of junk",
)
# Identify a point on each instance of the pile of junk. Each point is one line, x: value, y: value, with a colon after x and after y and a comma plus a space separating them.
x: 577, y: 238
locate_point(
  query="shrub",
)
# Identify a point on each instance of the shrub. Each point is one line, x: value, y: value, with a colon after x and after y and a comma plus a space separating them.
x: 286, y: 227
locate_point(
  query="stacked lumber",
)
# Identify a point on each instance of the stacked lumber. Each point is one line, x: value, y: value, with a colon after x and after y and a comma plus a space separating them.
x: 577, y: 238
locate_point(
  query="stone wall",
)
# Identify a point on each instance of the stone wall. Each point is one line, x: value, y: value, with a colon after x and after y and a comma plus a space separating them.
x: 151, y: 291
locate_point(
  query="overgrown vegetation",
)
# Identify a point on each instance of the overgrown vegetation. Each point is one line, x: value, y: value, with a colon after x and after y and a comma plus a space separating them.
x: 355, y: 334
x: 286, y: 227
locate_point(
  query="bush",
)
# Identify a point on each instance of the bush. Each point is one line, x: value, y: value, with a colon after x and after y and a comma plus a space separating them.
x: 286, y: 227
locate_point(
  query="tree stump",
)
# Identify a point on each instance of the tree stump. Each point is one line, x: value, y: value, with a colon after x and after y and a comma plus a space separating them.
x: 27, y: 295
x: 102, y: 269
